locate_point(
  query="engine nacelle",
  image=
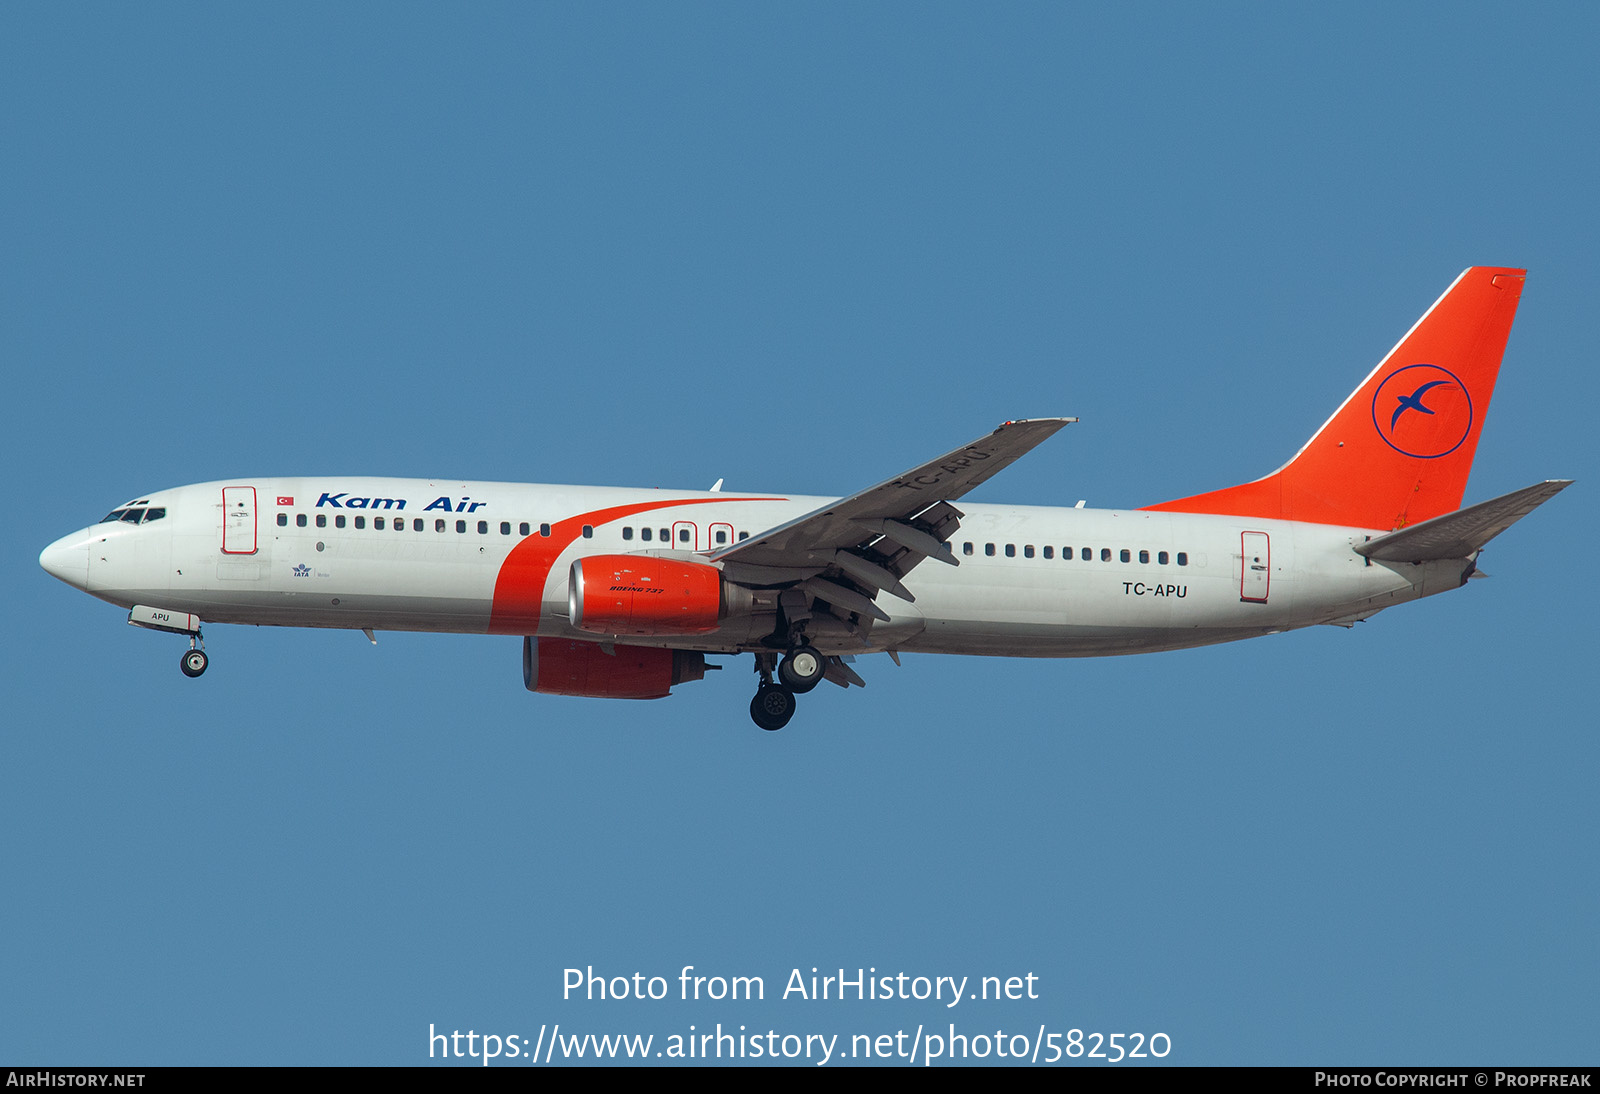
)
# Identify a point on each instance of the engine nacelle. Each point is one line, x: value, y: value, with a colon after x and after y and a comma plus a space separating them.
x: 646, y: 595
x: 567, y: 666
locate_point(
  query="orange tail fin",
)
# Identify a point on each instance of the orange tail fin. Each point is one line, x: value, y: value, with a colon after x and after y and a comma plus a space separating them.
x: 1400, y: 448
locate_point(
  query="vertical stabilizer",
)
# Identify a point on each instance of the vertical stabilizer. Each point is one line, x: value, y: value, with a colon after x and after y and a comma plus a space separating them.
x: 1399, y: 449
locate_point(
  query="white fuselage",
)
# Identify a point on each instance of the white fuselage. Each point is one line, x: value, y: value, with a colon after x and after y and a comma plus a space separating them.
x: 1032, y: 581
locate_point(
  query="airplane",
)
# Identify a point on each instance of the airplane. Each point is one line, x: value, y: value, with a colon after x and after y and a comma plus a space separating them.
x: 624, y: 593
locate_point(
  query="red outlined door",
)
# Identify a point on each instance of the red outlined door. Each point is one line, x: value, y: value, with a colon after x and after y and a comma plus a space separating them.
x: 720, y: 534
x: 685, y: 535
x: 1255, y: 571
x: 238, y: 520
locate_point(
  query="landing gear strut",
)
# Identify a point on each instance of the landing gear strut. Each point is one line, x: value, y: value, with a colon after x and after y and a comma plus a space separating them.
x: 194, y: 659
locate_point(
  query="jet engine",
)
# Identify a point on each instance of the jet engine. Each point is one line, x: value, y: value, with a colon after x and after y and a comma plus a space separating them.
x: 567, y: 666
x: 646, y: 595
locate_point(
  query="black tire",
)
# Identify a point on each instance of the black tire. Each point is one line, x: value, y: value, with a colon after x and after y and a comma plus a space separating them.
x: 802, y: 670
x: 772, y: 707
x: 193, y: 662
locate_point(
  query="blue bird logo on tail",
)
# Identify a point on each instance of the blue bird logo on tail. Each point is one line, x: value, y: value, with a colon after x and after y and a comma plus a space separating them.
x: 1413, y: 402
x: 1438, y: 427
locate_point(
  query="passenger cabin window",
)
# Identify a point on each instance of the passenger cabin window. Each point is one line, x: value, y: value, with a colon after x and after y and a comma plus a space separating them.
x: 1011, y: 550
x: 1027, y: 551
x: 627, y: 533
x: 299, y: 520
x: 722, y: 537
x: 322, y: 520
x: 666, y: 535
x: 1144, y: 556
x: 283, y: 520
x: 483, y: 527
x: 523, y: 528
x: 1066, y: 553
x: 416, y: 525
x: 1162, y: 557
x: 966, y: 548
x: 1049, y: 552
x: 544, y: 529
x: 461, y: 527
x: 377, y: 523
x: 645, y: 534
x: 1105, y: 554
x: 361, y: 522
x: 438, y: 524
x: 683, y: 535
x: 588, y: 531
x: 744, y: 535
x: 338, y: 521
x: 988, y: 549
x: 1183, y: 558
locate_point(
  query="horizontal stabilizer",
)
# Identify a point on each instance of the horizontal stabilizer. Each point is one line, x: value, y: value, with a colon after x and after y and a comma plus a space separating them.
x: 1459, y: 534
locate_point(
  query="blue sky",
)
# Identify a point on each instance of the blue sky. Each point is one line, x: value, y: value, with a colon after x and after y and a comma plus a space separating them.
x: 800, y: 248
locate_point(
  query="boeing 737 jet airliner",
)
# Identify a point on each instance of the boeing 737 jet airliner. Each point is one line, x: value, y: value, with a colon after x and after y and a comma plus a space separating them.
x: 621, y: 593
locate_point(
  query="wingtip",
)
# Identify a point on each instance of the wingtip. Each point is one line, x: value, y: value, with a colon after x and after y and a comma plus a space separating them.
x: 1057, y: 422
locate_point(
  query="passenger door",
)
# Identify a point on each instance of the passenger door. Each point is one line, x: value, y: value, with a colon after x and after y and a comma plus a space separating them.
x: 1255, y: 567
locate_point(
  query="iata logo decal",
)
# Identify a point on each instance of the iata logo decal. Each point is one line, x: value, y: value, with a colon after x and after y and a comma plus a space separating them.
x: 1423, y: 411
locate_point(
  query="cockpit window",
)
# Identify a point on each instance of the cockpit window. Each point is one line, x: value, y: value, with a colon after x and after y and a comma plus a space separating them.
x: 134, y: 516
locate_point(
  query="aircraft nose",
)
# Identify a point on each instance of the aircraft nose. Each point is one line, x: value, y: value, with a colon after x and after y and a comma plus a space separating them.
x: 67, y: 559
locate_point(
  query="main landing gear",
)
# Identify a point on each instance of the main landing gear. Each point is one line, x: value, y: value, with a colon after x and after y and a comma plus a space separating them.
x: 773, y: 705
x: 802, y: 670
x: 194, y: 658
x: 798, y: 673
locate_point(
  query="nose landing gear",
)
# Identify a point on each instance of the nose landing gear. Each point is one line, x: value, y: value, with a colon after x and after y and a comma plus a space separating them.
x: 194, y: 659
x: 169, y: 621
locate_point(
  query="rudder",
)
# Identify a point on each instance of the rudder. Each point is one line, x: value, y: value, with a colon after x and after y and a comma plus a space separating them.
x: 1400, y: 448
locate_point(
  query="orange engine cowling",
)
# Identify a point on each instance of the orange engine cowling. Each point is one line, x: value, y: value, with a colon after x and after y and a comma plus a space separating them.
x: 645, y: 595
x: 568, y: 666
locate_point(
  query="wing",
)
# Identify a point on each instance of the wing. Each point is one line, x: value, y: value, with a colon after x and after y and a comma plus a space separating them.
x: 847, y: 551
